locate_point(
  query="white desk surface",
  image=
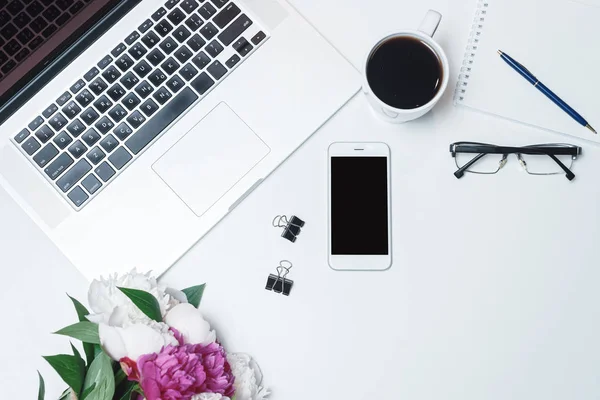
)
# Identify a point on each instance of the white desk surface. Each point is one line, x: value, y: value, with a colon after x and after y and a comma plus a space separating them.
x: 493, y: 293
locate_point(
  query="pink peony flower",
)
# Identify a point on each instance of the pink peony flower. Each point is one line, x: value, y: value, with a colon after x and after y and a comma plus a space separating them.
x: 180, y: 372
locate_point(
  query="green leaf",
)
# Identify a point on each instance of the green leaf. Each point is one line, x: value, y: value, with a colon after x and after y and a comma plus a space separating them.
x: 194, y: 294
x: 145, y: 302
x: 75, y: 351
x: 85, y: 331
x: 42, y: 389
x: 101, y: 375
x: 70, y: 368
x: 87, y: 391
x: 66, y: 395
x: 119, y: 376
x: 82, y: 313
x: 127, y: 391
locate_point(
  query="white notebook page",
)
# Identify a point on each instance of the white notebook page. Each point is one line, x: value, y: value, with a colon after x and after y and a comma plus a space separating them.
x: 558, y: 41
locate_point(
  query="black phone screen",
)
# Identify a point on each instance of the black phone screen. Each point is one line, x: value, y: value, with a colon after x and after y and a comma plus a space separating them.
x: 359, y: 206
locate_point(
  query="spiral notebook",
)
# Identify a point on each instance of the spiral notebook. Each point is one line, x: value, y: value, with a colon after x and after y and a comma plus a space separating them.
x: 557, y: 40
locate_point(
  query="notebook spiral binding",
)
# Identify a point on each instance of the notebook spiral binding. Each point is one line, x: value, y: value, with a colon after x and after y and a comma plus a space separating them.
x: 473, y: 44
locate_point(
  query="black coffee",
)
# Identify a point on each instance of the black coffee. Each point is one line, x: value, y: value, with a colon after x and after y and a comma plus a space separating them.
x: 405, y: 73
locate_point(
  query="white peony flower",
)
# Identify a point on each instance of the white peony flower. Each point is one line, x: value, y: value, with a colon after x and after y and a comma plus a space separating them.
x: 248, y: 377
x: 188, y: 320
x: 112, y: 307
x: 135, y: 340
x: 209, y: 396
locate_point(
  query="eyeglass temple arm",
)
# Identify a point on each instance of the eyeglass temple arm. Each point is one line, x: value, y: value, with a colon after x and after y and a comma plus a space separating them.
x: 461, y: 171
x: 570, y: 174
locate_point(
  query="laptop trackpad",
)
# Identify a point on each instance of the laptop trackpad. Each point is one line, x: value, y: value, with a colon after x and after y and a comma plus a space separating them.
x: 210, y: 159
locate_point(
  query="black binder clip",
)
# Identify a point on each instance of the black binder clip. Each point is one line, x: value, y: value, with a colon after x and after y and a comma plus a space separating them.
x: 279, y: 283
x: 292, y: 227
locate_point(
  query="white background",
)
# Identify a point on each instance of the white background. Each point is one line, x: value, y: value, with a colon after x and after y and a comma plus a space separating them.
x: 493, y: 293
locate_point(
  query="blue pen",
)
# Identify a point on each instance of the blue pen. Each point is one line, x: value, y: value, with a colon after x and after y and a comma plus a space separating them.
x: 524, y: 72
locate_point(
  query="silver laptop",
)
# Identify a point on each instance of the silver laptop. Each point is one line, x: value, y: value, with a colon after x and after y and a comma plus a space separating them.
x: 131, y: 127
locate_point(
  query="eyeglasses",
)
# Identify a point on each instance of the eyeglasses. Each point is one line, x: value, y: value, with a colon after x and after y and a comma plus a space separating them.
x: 539, y: 159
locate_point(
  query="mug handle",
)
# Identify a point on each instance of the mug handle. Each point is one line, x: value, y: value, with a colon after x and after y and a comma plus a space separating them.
x: 430, y: 23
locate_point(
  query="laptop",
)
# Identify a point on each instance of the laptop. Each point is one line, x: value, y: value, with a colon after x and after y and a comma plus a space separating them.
x: 129, y: 128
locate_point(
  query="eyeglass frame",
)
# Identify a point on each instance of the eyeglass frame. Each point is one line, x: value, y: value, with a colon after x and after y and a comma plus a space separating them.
x: 551, y: 150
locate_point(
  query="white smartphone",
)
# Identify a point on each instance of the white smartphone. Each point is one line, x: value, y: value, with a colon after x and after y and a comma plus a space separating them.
x: 360, y: 236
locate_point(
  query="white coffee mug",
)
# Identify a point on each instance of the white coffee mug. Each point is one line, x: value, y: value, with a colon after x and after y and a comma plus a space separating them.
x: 424, y: 33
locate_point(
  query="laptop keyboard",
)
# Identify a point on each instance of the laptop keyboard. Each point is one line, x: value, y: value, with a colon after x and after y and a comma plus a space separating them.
x: 26, y: 24
x: 109, y: 116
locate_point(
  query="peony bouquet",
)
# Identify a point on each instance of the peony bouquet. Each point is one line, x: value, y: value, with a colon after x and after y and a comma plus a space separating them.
x: 147, y: 341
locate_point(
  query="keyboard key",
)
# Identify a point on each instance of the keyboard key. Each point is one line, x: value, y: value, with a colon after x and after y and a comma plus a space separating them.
x: 104, y: 125
x: 36, y: 123
x: 36, y: 42
x: 46, y: 33
x: 123, y: 131
x: 175, y: 84
x: 209, y: 31
x: 170, y: 66
x: 159, y: 14
x: 233, y: 61
x: 131, y: 101
x: 129, y: 80
x: 109, y: 143
x: 171, y: 3
x: 136, y: 119
x: 201, y: 60
x: 78, y: 196
x: 24, y: 36
x: 77, y: 86
x: 145, y: 26
x: 155, y: 57
x: 202, y: 83
x: 6, y: 68
x: 150, y: 40
x: 98, y: 86
x: 38, y: 24
x: 31, y: 146
x: 168, y: 45
x: 66, y: 96
x: 105, y: 62
x: 91, y: 74
x: 111, y: 74
x: 144, y: 89
x: 84, y: 98
x: 116, y: 92
x: 91, y: 184
x: 133, y: 36
x: 124, y: 62
x: 234, y: 30
x: 157, y: 77
x: 217, y: 70
x: 23, y: 135
x: 226, y: 15
x: 102, y: 104
x: 189, y: 5
x: 194, y: 22
x: 14, y: 7
x: 9, y: 31
x: 207, y: 11
x: 219, y: 3
x: 162, y: 119
x: 62, y: 140
x: 181, y: 34
x: 117, y: 51
x: 162, y: 95
x: 259, y: 37
x: 58, y: 122
x: 120, y: 158
x: 77, y: 149
x: 51, y: 13
x: 183, y: 54
x: 73, y: 175
x: 188, y: 72
x: 176, y: 16
x: 105, y: 171
x: 58, y: 166
x: 12, y: 47
x: 137, y: 51
x: 163, y: 28
x: 242, y: 46
x: 71, y: 110
x: 214, y: 48
x: 149, y: 107
x: 89, y: 116
x: 196, y: 42
x: 78, y: 6
x: 76, y: 128
x: 91, y: 137
x: 45, y: 155
x: 95, y: 155
x: 117, y: 113
x: 142, y: 68
x: 44, y: 133
x: 21, y: 55
x: 63, y: 19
